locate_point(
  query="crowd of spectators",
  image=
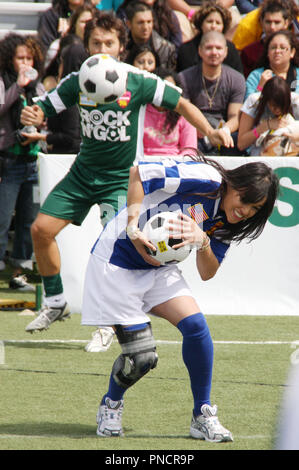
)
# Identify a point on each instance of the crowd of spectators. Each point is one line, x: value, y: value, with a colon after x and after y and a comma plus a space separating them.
x: 236, y: 61
x: 155, y: 29
x: 218, y: 72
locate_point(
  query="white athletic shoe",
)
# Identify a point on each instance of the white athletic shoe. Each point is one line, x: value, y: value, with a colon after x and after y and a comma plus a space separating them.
x: 109, y: 418
x: 20, y: 283
x: 207, y: 426
x: 101, y: 340
x: 46, y: 316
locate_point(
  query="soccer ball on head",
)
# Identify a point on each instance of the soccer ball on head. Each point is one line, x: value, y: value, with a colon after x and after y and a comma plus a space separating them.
x: 102, y: 78
x: 157, y: 232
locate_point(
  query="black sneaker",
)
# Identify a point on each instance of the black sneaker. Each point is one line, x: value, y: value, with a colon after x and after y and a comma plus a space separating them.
x: 20, y: 283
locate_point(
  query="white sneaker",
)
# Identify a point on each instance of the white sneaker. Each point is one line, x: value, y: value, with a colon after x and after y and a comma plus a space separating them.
x: 101, y: 340
x: 20, y: 283
x: 46, y: 316
x: 207, y: 426
x: 109, y: 418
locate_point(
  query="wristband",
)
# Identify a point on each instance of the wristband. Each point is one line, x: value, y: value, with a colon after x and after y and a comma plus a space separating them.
x: 190, y: 13
x: 205, y: 244
x: 259, y: 88
x: 255, y: 132
x: 132, y: 232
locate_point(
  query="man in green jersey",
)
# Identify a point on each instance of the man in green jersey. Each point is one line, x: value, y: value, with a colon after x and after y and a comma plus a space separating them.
x: 111, y: 141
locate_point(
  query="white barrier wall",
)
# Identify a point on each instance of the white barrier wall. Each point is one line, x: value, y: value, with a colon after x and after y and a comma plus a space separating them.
x: 260, y: 278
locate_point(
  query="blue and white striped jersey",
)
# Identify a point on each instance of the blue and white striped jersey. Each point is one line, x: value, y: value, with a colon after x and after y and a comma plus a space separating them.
x: 168, y: 185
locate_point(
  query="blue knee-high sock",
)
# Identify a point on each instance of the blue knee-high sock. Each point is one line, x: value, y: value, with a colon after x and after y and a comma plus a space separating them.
x: 115, y: 391
x: 198, y: 357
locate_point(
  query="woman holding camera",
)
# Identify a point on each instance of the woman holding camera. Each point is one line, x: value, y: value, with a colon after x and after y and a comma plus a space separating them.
x: 21, y: 64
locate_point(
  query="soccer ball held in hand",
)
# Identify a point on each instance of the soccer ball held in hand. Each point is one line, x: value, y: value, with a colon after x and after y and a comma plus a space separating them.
x: 156, y: 230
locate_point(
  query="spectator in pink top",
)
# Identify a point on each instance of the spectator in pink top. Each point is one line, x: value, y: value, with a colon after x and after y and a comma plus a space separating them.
x: 166, y: 132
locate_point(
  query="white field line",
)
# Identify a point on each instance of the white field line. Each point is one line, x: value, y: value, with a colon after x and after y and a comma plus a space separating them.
x: 80, y: 341
x: 84, y: 436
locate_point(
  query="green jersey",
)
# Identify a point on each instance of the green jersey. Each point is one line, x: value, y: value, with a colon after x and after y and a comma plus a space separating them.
x: 112, y: 134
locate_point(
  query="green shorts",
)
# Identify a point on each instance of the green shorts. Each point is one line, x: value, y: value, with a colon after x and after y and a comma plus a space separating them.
x: 72, y: 198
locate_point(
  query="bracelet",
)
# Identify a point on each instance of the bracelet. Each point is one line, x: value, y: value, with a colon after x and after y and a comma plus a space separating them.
x: 259, y: 88
x: 205, y: 245
x: 190, y: 13
x: 255, y: 132
x: 132, y: 232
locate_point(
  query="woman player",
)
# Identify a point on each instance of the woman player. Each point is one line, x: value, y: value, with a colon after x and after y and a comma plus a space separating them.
x: 236, y: 205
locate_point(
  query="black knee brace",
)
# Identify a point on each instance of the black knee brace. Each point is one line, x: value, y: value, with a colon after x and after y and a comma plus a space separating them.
x: 138, y: 355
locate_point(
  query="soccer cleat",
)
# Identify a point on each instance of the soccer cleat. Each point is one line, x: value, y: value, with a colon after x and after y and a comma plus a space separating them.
x: 46, y: 316
x: 207, y: 426
x: 20, y: 283
x: 109, y: 418
x: 101, y: 340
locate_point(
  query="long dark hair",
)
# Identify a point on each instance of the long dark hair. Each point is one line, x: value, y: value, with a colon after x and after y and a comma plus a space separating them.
x: 254, y: 181
x: 65, y: 41
x: 138, y: 49
x: 276, y: 91
x: 172, y: 117
x: 163, y: 20
x: 62, y: 7
x: 75, y: 16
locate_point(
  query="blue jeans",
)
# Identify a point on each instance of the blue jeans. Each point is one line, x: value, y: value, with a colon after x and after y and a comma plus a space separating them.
x: 245, y: 6
x: 16, y: 198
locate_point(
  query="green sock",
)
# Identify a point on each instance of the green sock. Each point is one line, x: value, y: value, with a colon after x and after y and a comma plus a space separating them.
x: 52, y: 285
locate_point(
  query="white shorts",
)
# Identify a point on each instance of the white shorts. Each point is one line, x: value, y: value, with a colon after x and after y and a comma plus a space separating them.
x: 118, y: 296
